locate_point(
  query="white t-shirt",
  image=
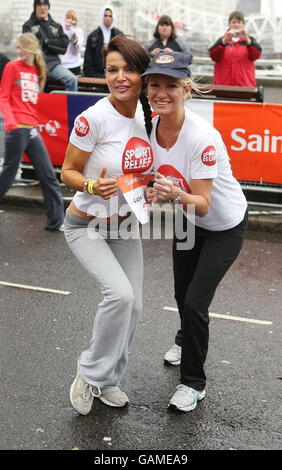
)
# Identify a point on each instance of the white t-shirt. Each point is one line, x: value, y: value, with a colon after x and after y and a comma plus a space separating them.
x: 200, y: 153
x: 116, y: 142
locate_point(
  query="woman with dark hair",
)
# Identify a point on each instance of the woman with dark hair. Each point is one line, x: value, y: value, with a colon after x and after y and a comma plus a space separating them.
x: 166, y: 40
x: 97, y: 220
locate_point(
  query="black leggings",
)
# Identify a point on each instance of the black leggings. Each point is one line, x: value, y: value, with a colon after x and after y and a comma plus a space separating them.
x: 197, y: 273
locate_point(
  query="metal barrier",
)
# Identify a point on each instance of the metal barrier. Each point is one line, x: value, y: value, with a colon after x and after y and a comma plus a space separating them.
x: 212, y: 92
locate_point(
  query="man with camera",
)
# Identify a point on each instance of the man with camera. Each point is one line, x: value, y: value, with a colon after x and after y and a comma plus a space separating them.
x: 234, y: 54
x: 53, y: 42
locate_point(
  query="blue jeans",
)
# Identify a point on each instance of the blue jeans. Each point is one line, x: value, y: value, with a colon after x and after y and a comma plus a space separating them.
x: 64, y: 75
x: 22, y: 140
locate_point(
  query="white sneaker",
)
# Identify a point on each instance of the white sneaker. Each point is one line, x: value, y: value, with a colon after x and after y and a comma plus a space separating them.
x: 82, y: 394
x: 115, y: 398
x: 173, y: 356
x: 185, y: 398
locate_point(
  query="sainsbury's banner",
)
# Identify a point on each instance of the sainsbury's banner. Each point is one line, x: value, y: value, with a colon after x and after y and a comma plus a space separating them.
x: 252, y: 132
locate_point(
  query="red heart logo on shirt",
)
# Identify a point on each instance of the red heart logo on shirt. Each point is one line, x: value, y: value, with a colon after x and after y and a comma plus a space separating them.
x: 137, y: 156
x: 175, y: 176
x: 208, y: 156
x: 81, y: 126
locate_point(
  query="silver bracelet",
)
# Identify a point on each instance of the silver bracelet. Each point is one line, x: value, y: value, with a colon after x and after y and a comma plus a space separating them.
x: 85, y: 186
x: 177, y: 200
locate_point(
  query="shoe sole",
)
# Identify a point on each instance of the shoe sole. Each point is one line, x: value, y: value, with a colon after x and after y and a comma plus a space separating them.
x: 110, y: 403
x: 172, y: 363
x: 172, y: 406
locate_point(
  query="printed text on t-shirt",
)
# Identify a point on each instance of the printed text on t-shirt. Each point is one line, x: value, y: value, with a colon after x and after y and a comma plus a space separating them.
x: 81, y: 126
x: 137, y: 156
x: 208, y: 156
x: 29, y: 87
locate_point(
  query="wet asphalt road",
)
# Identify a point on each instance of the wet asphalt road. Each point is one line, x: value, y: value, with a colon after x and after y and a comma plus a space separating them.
x: 43, y: 333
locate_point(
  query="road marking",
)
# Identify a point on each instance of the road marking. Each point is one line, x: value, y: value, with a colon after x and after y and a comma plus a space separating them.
x: 42, y: 289
x: 229, y: 317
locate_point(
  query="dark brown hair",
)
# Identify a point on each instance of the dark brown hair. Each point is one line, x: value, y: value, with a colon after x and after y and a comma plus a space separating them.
x: 165, y: 19
x: 137, y: 58
x: 236, y: 14
x: 132, y: 52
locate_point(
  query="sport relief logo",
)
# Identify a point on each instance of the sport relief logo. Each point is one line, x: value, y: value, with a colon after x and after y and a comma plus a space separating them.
x: 137, y: 156
x: 81, y: 126
x: 208, y: 156
x: 175, y: 176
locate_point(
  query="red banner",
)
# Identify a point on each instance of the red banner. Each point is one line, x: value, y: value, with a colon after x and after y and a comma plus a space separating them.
x: 53, y: 125
x: 252, y: 134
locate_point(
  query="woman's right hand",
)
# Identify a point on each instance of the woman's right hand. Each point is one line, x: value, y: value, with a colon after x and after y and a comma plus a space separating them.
x: 105, y: 187
x: 227, y: 36
x: 156, y: 51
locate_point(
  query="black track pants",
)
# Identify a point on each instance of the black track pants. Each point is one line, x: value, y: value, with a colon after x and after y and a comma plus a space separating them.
x: 197, y: 273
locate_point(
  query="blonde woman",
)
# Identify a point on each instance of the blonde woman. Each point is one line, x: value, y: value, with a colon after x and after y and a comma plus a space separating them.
x: 193, y: 172
x: 21, y: 81
x: 72, y: 58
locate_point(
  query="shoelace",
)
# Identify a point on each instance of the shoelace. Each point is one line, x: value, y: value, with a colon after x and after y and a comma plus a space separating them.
x: 88, y: 391
x: 183, y: 390
x: 175, y: 348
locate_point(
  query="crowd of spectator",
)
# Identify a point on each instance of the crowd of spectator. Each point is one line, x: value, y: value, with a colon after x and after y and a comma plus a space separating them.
x: 234, y: 53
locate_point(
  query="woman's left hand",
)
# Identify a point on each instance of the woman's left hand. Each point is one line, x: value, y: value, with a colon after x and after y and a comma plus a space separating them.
x: 165, y: 188
x: 245, y: 37
x: 151, y: 195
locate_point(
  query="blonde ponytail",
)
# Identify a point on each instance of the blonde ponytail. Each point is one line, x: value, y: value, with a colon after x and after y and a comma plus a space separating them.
x: 41, y: 67
x: 29, y: 43
x: 199, y: 88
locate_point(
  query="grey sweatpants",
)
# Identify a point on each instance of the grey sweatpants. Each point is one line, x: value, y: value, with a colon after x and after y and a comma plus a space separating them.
x: 117, y: 267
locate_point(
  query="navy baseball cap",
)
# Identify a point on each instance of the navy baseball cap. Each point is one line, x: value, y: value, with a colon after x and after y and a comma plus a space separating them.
x: 174, y: 64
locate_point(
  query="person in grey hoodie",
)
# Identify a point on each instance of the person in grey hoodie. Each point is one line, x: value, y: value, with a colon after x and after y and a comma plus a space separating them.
x: 53, y: 42
x: 93, y: 65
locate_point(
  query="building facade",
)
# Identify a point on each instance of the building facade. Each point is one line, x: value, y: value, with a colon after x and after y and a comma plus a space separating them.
x: 199, y: 23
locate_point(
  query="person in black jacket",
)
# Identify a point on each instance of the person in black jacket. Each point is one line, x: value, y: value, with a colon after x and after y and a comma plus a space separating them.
x: 3, y: 61
x: 93, y: 65
x: 166, y: 40
x: 53, y: 41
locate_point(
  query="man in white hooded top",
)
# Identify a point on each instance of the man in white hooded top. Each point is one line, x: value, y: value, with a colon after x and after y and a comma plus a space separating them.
x: 93, y: 65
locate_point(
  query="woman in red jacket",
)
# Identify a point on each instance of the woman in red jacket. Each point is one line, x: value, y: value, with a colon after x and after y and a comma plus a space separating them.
x: 234, y: 54
x: 21, y: 81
